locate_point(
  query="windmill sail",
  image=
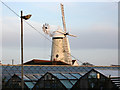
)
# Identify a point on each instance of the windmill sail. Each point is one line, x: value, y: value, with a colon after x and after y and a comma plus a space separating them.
x: 66, y: 47
x: 46, y: 30
x: 63, y: 17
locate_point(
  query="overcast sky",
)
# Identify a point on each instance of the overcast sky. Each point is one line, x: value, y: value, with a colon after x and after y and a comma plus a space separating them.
x: 94, y: 23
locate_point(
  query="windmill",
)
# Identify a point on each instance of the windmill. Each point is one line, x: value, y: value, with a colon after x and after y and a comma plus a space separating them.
x: 60, y: 44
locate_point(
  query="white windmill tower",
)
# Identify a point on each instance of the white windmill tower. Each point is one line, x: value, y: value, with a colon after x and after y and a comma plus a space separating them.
x: 60, y: 44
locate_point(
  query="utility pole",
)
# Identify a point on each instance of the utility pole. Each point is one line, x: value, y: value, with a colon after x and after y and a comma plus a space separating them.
x: 22, y: 82
x: 12, y: 61
x: 22, y: 67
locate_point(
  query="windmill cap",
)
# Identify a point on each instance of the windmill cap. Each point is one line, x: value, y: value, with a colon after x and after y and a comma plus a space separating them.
x: 57, y: 34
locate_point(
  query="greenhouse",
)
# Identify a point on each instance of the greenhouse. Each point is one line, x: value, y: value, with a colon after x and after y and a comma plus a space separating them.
x: 65, y: 77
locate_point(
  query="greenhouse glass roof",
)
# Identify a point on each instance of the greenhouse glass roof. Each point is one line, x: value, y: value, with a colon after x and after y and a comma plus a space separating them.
x: 40, y: 70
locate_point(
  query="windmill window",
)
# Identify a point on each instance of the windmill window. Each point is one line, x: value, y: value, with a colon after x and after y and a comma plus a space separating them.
x: 57, y: 56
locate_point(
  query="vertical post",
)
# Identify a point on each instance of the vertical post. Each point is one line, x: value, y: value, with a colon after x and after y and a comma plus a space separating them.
x: 22, y: 82
x: 12, y: 61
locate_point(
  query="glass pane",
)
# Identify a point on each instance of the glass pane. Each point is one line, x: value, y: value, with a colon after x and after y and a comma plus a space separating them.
x: 73, y: 81
x: 107, y: 72
x: 14, y: 68
x: 29, y: 84
x: 68, y: 76
x: 24, y: 78
x: 6, y: 77
x: 31, y: 77
x: 59, y: 76
x: 66, y: 83
x: 76, y: 75
x: 38, y: 76
x: 92, y: 75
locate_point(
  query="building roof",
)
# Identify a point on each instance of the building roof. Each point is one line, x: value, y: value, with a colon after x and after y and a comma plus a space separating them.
x: 65, y: 73
x: 67, y: 79
x: 29, y: 80
x: 8, y: 71
x: 98, y: 76
x: 109, y: 72
x: 44, y: 62
x: 114, y: 74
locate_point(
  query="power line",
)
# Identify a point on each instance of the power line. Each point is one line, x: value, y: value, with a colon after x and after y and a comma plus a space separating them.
x: 10, y: 8
x: 36, y: 29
